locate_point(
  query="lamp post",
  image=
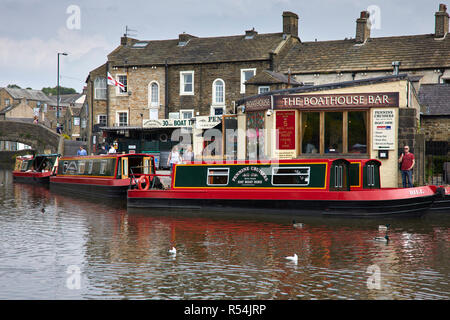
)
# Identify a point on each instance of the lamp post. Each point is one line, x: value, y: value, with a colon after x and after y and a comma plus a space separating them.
x: 57, y: 89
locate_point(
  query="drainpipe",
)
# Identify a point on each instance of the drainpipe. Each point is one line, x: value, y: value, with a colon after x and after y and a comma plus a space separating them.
x: 107, y: 95
x: 166, y: 97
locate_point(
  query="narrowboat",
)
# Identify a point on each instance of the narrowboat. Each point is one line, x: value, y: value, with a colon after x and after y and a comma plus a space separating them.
x: 306, y: 186
x: 35, y: 169
x: 102, y: 175
x: 442, y: 200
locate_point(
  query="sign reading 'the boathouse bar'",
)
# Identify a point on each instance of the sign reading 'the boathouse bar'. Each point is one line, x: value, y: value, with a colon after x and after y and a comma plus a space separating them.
x: 347, y: 100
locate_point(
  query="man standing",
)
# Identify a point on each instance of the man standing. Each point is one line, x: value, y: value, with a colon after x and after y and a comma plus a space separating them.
x: 407, y: 163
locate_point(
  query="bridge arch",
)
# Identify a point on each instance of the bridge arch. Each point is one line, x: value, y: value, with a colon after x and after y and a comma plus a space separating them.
x: 38, y: 136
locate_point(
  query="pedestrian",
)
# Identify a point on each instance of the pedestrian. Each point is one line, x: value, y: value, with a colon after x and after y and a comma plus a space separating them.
x: 112, y: 149
x: 58, y: 128
x: 188, y: 155
x: 35, y: 120
x: 174, y: 158
x: 102, y: 150
x: 407, y: 163
x: 82, y: 151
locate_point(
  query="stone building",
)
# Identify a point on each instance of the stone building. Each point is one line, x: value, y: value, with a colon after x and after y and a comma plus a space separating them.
x: 171, y: 84
x: 425, y: 58
x: 23, y: 104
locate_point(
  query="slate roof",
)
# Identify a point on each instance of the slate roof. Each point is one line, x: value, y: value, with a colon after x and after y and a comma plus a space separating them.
x: 65, y: 99
x: 414, y: 52
x: 198, y: 50
x: 29, y: 94
x: 435, y: 98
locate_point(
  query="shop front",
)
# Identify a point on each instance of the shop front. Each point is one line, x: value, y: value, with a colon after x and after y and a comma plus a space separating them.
x: 348, y: 122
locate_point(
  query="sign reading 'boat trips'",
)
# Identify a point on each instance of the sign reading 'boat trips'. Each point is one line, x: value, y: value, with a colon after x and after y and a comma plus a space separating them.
x: 200, y: 122
x: 383, y: 127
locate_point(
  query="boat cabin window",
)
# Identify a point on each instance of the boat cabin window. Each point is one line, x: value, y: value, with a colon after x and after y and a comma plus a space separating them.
x: 371, y: 175
x: 339, y: 175
x: 88, y: 167
x: 292, y: 176
x: 218, y: 176
x: 26, y: 164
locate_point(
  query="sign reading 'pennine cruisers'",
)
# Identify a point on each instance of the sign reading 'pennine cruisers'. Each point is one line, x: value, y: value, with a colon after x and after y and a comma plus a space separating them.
x: 357, y: 100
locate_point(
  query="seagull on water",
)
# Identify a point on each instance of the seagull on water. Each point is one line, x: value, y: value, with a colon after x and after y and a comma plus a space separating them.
x: 293, y: 258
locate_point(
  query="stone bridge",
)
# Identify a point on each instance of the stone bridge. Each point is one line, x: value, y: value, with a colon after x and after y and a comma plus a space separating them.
x: 38, y: 136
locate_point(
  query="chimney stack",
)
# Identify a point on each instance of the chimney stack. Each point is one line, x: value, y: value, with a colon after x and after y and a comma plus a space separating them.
x: 441, y: 24
x: 362, y: 27
x: 183, y: 38
x: 249, y: 34
x: 290, y: 23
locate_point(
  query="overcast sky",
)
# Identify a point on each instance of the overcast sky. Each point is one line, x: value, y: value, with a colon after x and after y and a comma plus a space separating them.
x: 32, y: 32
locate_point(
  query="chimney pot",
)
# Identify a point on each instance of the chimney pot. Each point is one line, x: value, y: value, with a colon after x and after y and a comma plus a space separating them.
x: 441, y: 22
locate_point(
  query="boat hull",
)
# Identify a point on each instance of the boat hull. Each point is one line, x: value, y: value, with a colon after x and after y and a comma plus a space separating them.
x: 32, y: 177
x: 398, y: 202
x: 90, y: 187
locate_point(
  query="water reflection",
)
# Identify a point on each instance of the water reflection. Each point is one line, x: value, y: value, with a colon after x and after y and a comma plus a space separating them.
x: 220, y: 255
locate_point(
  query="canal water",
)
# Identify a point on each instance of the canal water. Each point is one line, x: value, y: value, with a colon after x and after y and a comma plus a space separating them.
x: 56, y: 246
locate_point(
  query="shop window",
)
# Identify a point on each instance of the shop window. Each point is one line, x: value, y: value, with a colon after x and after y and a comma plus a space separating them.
x: 333, y: 132
x: 357, y: 132
x: 310, y: 132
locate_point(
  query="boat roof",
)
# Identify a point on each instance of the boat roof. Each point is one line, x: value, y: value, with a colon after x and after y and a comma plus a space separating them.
x: 275, y: 161
x: 48, y: 155
x: 108, y: 155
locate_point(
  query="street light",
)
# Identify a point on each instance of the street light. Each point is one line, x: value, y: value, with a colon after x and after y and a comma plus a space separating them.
x: 57, y: 89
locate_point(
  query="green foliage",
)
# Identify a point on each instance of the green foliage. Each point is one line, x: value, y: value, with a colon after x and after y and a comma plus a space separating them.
x: 13, y: 86
x: 62, y: 90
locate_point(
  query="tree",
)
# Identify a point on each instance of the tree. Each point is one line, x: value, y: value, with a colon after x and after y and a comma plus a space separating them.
x: 53, y: 91
x: 13, y: 86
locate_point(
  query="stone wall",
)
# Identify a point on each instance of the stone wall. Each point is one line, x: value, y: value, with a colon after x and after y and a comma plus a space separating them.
x: 408, y: 134
x: 435, y: 128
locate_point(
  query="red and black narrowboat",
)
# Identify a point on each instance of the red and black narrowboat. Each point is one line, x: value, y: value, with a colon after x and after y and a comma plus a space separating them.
x: 101, y: 175
x: 35, y: 169
x: 307, y: 186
